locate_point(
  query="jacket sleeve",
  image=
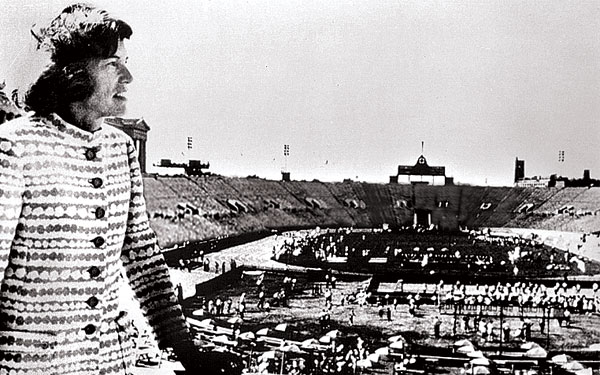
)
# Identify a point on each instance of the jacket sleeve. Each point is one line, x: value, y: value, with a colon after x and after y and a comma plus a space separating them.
x: 11, y: 193
x: 146, y: 269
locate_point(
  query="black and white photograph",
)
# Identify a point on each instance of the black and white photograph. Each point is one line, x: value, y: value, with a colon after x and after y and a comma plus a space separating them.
x: 300, y: 187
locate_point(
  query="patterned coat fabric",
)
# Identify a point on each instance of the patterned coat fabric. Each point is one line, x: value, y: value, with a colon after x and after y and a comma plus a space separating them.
x: 72, y: 214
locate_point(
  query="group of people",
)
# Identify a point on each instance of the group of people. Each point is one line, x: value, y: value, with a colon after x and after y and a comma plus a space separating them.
x: 442, y: 253
x: 341, y: 356
x: 219, y: 306
x: 526, y: 294
x: 215, y: 266
x: 493, y: 329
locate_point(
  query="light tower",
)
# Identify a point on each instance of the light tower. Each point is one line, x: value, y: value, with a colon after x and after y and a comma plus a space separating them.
x: 285, y: 174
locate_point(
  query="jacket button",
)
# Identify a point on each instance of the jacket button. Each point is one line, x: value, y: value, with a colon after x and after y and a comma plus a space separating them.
x: 89, y: 329
x: 98, y: 241
x: 90, y: 154
x: 96, y: 182
x: 100, y: 212
x: 94, y: 271
x: 92, y: 301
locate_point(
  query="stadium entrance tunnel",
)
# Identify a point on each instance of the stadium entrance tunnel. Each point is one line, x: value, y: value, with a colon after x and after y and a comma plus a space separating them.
x: 422, y: 218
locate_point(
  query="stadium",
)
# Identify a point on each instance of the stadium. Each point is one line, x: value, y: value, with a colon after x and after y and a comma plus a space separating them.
x: 402, y: 255
x: 417, y: 273
x: 310, y: 277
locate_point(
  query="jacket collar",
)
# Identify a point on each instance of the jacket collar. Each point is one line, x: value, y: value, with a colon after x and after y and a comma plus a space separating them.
x: 72, y: 130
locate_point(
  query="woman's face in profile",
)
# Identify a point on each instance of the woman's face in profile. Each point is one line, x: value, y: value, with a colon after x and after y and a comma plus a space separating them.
x: 110, y: 77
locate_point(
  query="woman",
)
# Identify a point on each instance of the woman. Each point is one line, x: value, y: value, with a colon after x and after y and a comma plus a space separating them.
x: 72, y: 214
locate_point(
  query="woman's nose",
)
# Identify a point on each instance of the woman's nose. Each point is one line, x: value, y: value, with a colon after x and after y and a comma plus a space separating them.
x: 126, y: 76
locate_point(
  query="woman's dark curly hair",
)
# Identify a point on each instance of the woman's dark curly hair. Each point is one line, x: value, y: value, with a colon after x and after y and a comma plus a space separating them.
x: 78, y: 35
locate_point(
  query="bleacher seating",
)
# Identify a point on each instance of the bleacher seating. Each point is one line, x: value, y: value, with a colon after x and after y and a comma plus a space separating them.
x: 254, y: 204
x: 263, y: 194
x: 563, y: 197
x: 588, y: 200
x: 355, y: 206
x: 379, y: 203
x: 320, y: 201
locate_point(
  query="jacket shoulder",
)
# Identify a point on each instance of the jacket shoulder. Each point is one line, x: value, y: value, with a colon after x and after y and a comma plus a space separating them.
x: 14, y: 129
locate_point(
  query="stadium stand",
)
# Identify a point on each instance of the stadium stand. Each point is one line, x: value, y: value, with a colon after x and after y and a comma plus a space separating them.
x: 379, y: 203
x: 496, y: 215
x: 442, y: 201
x: 403, y: 202
x: 472, y: 199
x: 588, y: 201
x: 560, y: 202
x: 213, y: 205
x: 355, y: 207
x: 319, y: 200
x: 513, y: 203
x: 177, y: 189
x: 262, y: 194
x: 217, y: 187
x: 528, y: 215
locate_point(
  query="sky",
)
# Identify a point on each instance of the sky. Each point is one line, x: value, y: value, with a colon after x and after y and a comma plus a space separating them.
x: 355, y: 88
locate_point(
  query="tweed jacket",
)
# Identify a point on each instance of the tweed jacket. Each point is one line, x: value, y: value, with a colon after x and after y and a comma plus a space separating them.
x: 72, y: 215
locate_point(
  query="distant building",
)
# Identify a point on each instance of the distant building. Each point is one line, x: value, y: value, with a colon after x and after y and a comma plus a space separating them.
x: 536, y: 181
x: 426, y: 174
x: 553, y: 180
x: 586, y: 181
x: 137, y: 129
x: 519, y: 169
x: 191, y: 167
